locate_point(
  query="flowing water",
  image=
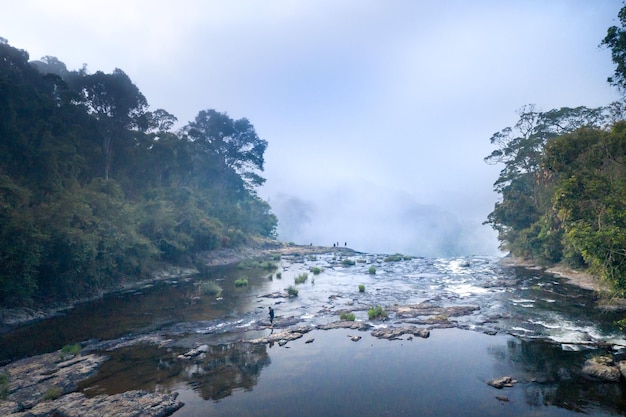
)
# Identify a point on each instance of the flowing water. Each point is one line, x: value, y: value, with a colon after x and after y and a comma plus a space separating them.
x: 526, y: 324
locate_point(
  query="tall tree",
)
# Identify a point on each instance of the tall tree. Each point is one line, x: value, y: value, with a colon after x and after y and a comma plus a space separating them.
x: 116, y: 103
x: 234, y: 144
x: 615, y: 40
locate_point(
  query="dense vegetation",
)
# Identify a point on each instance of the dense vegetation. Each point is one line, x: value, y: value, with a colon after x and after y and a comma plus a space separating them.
x: 563, y: 185
x: 95, y: 187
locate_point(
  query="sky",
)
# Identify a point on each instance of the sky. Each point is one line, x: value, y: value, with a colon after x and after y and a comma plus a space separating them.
x: 378, y: 114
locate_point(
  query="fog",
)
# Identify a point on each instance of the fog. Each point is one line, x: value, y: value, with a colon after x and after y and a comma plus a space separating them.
x: 378, y: 114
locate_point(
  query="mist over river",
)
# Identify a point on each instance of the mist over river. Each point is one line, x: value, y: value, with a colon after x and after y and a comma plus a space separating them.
x: 485, y: 321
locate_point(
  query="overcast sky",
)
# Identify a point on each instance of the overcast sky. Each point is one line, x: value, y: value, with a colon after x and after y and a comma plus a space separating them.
x: 378, y: 114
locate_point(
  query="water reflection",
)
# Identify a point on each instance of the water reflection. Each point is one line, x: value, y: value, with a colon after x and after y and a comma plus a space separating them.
x: 214, y: 373
x: 551, y: 376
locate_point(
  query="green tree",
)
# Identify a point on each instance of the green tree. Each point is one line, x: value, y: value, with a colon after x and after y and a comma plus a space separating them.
x: 118, y: 106
x: 524, y: 187
x: 234, y: 144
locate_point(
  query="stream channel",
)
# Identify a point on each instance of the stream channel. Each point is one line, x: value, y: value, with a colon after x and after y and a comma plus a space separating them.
x: 486, y: 321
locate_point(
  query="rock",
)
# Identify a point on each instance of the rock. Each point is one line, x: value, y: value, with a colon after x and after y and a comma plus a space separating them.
x: 345, y: 324
x: 395, y: 332
x: 502, y: 398
x: 354, y: 338
x: 601, y: 368
x: 622, y: 368
x: 283, y: 337
x: 127, y: 404
x: 31, y: 378
x: 505, y: 381
x: 309, y: 341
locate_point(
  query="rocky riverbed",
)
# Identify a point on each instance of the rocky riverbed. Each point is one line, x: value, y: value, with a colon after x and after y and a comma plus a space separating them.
x: 419, y: 296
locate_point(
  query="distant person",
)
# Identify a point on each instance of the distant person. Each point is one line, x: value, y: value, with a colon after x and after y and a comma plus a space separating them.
x: 345, y: 243
x: 333, y: 244
x: 271, y: 311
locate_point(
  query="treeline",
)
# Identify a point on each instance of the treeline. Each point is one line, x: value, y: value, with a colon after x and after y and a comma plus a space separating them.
x: 563, y: 189
x: 563, y: 185
x: 95, y: 187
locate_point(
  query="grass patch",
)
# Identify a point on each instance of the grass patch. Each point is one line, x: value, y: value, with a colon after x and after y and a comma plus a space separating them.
x: 372, y: 270
x: 347, y: 316
x: 241, y: 282
x: 257, y: 264
x: 69, y: 351
x: 302, y: 278
x: 394, y: 258
x: 4, y: 386
x: 361, y: 288
x: 376, y: 313
x: 348, y: 262
x: 316, y: 270
x: 269, y: 265
x: 292, y: 291
x: 210, y: 288
x: 52, y: 393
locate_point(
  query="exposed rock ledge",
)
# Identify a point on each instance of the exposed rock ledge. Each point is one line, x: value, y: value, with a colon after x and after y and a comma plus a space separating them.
x: 45, y: 385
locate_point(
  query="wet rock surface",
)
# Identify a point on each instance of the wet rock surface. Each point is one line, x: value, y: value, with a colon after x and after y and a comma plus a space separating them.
x: 505, y: 381
x: 45, y: 385
x: 127, y: 404
x: 602, y: 368
x: 484, y: 302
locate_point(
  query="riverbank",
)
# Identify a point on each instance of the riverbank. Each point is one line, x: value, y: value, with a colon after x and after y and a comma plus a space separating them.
x: 12, y: 317
x: 574, y: 277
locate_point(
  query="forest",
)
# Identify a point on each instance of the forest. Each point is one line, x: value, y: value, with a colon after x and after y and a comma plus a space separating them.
x: 97, y: 189
x: 563, y: 184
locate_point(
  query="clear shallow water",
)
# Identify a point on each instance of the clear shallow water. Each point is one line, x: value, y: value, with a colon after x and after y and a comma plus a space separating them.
x: 544, y: 329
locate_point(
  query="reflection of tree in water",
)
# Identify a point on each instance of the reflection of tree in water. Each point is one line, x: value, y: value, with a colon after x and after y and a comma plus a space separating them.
x: 552, y: 377
x: 227, y: 367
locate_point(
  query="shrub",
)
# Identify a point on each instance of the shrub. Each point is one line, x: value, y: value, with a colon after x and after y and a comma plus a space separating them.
x: 376, y: 312
x: 292, y: 291
x: 279, y: 275
x: 241, y: 282
x: 4, y: 386
x: 316, y: 270
x: 348, y: 262
x: 372, y: 270
x: 361, y: 288
x: 210, y: 288
x: 301, y: 279
x: 347, y: 316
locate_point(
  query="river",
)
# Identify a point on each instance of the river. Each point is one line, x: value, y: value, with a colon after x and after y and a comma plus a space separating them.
x: 486, y: 320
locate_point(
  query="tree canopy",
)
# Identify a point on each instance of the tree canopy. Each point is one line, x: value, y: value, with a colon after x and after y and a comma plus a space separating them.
x: 95, y: 188
x: 563, y: 185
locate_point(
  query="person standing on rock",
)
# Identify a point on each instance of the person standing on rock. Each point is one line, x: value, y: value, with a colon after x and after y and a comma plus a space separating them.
x: 271, y: 311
